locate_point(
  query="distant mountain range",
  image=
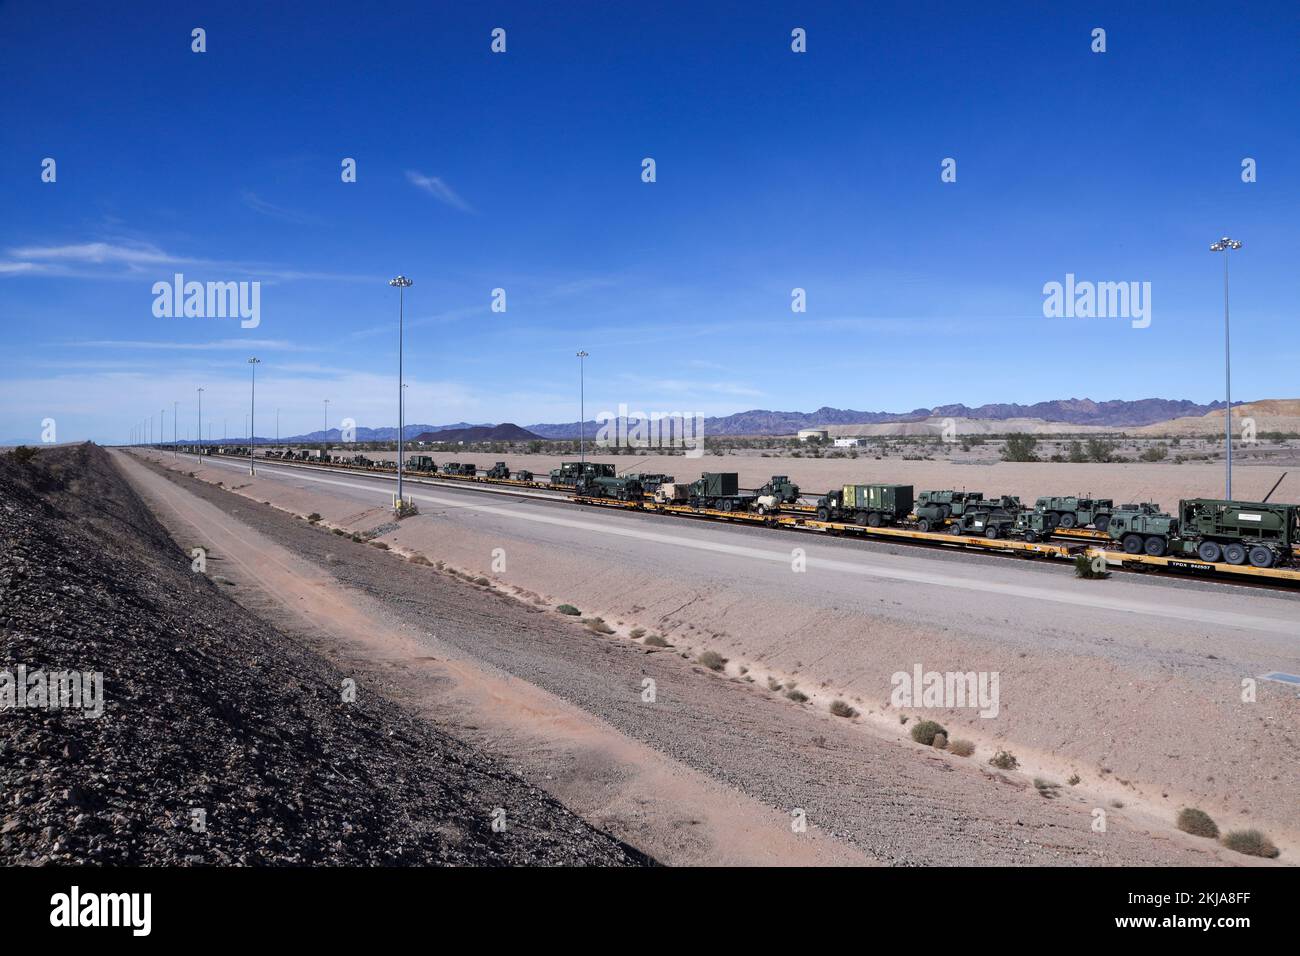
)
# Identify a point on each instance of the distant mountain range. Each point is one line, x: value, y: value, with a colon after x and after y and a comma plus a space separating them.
x: 1073, y: 411
x: 1070, y: 411
x: 505, y: 432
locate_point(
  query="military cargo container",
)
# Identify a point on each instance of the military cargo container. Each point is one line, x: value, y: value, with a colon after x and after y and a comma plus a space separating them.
x: 945, y: 504
x: 570, y: 471
x: 604, y: 486
x: 719, y: 490
x: 866, y: 505
x: 421, y: 463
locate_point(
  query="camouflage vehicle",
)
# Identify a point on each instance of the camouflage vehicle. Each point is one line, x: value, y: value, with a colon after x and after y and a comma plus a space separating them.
x: 1075, y: 512
x: 605, y: 486
x: 866, y: 505
x: 421, y: 463
x: 651, y: 482
x: 1034, y: 525
x: 499, y: 470
x: 719, y: 490
x: 1214, y: 530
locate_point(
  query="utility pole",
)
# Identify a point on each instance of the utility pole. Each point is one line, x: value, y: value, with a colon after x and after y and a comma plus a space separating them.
x: 252, y: 413
x: 1225, y: 245
x: 201, y: 419
x: 582, y: 409
x: 402, y: 283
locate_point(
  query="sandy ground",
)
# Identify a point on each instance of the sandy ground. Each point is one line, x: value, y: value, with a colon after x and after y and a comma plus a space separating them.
x: 1165, y: 483
x: 1148, y: 716
x: 669, y: 811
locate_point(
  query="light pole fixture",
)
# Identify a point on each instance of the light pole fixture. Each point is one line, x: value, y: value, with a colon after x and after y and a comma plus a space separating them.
x: 402, y: 283
x: 1226, y: 245
x: 252, y: 412
x: 175, y: 405
x: 326, y: 434
x: 582, y: 409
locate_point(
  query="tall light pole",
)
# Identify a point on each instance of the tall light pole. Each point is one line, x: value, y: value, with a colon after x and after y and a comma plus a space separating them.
x: 1226, y: 245
x: 252, y: 412
x: 582, y: 409
x: 277, y: 428
x: 326, y: 434
x: 162, y: 427
x: 175, y: 405
x: 402, y: 283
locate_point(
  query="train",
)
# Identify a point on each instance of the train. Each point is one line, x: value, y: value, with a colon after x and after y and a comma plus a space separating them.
x: 1260, y: 534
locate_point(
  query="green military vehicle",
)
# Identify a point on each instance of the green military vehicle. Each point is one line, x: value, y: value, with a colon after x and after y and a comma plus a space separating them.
x: 464, y: 470
x: 421, y: 463
x: 1076, y: 512
x: 1214, y: 530
x: 570, y: 471
x: 650, y: 482
x: 608, y: 486
x: 866, y: 505
x: 945, y: 504
x: 994, y: 517
x: 780, y: 487
x: 719, y: 491
x: 499, y: 470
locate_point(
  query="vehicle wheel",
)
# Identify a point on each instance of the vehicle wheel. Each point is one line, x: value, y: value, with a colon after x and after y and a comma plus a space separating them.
x: 823, y: 514
x: 761, y: 509
x: 1132, y: 544
x: 874, y: 519
x: 923, y: 524
x: 1209, y: 551
x: 1155, y: 546
x: 860, y: 520
x: 1031, y: 537
x: 1053, y: 519
x: 1066, y: 520
x: 1261, y: 557
x: 1234, y: 553
x: 728, y: 504
x: 1102, y: 522
x: 991, y: 532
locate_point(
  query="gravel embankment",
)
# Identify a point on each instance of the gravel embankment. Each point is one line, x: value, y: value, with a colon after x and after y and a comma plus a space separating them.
x: 209, y: 708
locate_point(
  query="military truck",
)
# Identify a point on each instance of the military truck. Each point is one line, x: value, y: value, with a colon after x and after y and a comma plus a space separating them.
x: 499, y: 470
x: 780, y: 487
x: 993, y: 517
x: 570, y: 471
x: 607, y: 486
x: 650, y: 482
x: 945, y: 504
x: 1214, y: 529
x: 866, y: 505
x: 719, y: 490
x: 1073, y: 511
x: 463, y: 469
x: 523, y: 474
x: 421, y: 463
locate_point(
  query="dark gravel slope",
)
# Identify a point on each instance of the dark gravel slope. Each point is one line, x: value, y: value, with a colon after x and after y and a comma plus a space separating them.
x: 207, y: 707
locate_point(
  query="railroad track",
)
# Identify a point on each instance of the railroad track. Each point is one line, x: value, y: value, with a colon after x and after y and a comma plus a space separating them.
x: 1075, y: 541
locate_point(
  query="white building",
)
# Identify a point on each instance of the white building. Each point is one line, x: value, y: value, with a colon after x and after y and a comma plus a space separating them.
x: 813, y: 434
x: 848, y: 442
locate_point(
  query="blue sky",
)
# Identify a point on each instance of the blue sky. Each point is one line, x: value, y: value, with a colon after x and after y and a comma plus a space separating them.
x: 522, y: 171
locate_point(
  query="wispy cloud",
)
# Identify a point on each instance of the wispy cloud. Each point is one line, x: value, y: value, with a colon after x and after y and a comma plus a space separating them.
x: 439, y: 190
x: 260, y: 205
x: 116, y: 260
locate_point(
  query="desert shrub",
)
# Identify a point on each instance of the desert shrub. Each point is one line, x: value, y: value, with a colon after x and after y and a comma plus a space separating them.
x: 1020, y: 448
x: 1046, y: 788
x: 798, y: 696
x: 940, y: 742
x: 22, y: 454
x: 1251, y: 843
x: 568, y: 609
x: 419, y: 559
x: 961, y: 748
x: 313, y: 517
x: 712, y: 660
x: 636, y: 632
x: 1197, y: 823
x: 381, y: 545
x: 1074, y: 779
x: 1004, y: 760
x: 657, y: 640
x: 1085, y: 566
x: 925, y: 732
x: 842, y: 709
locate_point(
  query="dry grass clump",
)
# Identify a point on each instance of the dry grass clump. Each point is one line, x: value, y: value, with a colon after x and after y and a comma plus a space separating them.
x: 925, y: 732
x: 1251, y: 843
x: 568, y: 609
x: 960, y: 747
x: 712, y: 660
x: 798, y: 696
x: 420, y: 559
x: 1004, y: 760
x: 1197, y: 823
x: 657, y: 640
x: 842, y: 709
